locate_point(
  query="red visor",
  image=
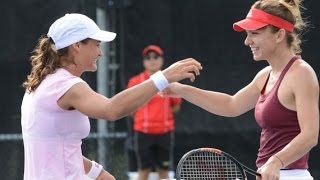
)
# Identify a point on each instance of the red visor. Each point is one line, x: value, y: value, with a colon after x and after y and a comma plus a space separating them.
x: 154, y: 48
x: 257, y: 19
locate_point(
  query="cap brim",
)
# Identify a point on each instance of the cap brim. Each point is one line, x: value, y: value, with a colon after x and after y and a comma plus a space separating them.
x: 104, y: 36
x: 248, y: 24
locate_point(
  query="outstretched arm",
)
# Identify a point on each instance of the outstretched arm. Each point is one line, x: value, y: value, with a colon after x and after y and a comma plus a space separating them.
x: 87, y: 101
x: 221, y: 103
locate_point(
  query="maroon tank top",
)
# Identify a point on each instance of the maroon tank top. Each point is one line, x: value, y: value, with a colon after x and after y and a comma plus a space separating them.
x: 279, y: 124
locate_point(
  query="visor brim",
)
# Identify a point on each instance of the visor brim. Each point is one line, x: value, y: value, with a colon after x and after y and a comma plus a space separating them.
x: 248, y: 24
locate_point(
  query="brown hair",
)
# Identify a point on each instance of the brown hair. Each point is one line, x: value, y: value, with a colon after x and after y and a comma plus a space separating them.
x: 45, y: 59
x: 290, y: 11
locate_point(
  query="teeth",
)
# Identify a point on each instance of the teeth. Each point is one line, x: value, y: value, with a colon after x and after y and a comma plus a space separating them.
x: 254, y: 49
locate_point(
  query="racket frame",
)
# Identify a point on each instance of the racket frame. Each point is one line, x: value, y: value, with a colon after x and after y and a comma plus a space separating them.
x: 241, y: 166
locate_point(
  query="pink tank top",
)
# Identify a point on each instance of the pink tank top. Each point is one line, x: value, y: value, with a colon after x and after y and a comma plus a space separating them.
x: 279, y: 124
x: 52, y: 136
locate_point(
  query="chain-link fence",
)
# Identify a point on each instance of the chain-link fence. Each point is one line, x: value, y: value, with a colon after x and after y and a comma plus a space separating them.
x: 12, y: 158
x: 12, y: 154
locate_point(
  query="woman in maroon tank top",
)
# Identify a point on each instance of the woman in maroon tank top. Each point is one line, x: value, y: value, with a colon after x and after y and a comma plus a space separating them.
x: 284, y: 94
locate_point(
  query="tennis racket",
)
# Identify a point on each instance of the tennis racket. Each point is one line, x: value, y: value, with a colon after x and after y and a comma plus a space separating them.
x: 211, y: 163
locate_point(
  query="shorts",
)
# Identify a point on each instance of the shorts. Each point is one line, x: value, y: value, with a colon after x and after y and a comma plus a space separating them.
x: 154, y: 150
x: 295, y: 174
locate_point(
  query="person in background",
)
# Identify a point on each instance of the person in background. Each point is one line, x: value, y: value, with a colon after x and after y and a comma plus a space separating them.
x: 57, y: 102
x: 284, y: 95
x: 153, y: 123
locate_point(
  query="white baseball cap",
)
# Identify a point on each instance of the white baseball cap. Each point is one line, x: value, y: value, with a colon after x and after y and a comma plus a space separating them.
x: 72, y: 28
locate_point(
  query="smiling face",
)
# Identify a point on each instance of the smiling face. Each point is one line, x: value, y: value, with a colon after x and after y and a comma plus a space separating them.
x: 87, y: 55
x: 262, y: 42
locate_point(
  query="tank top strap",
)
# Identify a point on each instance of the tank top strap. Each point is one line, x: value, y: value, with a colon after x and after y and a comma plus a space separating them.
x: 284, y: 71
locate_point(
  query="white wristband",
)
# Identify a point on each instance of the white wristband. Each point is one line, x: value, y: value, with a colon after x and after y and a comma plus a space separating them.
x: 159, y: 80
x: 95, y: 170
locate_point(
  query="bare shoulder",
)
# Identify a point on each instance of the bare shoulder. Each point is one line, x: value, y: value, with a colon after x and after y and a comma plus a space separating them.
x: 302, y: 78
x: 262, y: 76
x: 263, y: 73
x: 302, y: 71
x: 74, y: 94
x: 79, y: 89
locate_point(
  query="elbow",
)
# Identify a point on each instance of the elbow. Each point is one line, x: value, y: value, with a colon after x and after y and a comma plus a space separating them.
x: 113, y: 112
x: 229, y: 114
x: 112, y: 118
x: 312, y: 138
x: 115, y: 116
x: 233, y: 113
x: 314, y: 142
x: 231, y: 109
x: 112, y: 115
x: 315, y: 138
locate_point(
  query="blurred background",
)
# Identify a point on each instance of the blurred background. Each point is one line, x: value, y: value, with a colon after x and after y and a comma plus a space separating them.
x: 201, y: 29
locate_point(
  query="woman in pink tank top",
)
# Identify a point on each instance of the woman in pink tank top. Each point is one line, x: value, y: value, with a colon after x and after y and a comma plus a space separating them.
x: 285, y: 94
x: 57, y: 102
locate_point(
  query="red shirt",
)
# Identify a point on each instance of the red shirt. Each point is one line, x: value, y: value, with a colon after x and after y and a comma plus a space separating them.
x: 156, y: 116
x: 279, y: 125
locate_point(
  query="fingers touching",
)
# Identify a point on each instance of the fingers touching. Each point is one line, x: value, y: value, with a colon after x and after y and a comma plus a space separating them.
x: 187, y: 68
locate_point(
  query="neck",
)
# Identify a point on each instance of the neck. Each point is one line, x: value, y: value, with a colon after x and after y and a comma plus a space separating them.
x: 279, y: 60
x: 73, y: 70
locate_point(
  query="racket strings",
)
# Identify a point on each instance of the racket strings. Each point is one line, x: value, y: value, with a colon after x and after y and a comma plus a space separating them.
x: 208, y: 165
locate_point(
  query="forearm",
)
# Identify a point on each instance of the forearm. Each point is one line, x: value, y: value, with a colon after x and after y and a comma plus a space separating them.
x: 214, y: 102
x: 127, y: 101
x: 308, y: 116
x: 298, y: 147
